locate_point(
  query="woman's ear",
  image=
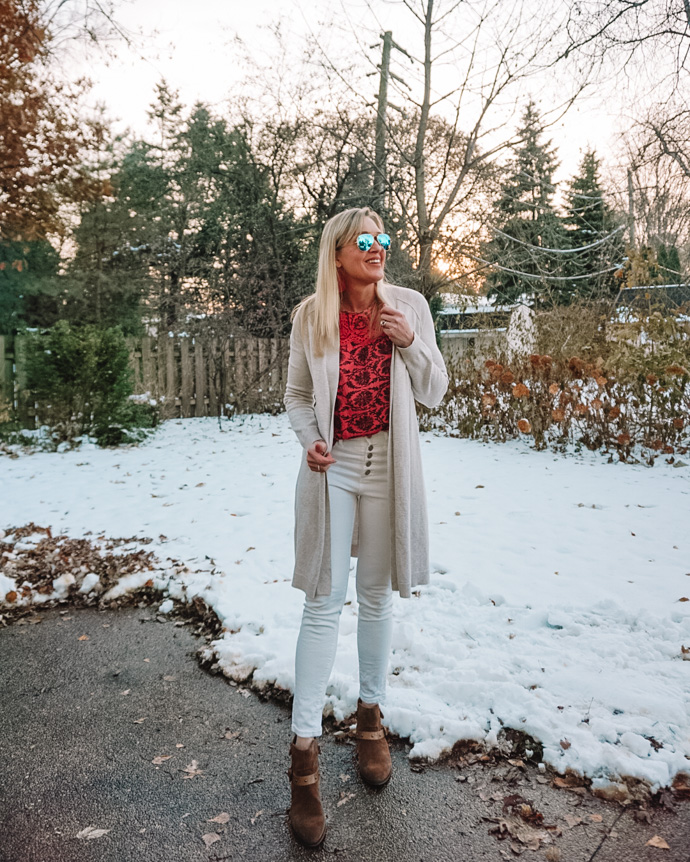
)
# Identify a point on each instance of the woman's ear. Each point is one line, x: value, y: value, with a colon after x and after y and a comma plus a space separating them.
x: 341, y: 279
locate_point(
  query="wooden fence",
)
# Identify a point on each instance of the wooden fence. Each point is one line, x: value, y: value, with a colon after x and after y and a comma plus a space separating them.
x: 185, y: 376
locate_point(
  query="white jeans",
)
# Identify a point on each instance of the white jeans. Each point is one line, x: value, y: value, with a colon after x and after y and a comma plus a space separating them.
x: 359, y: 477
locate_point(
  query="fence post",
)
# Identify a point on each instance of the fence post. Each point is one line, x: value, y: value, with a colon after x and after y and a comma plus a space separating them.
x: 199, y: 379
x: 186, y: 378
x: 24, y: 414
x: 6, y: 378
x: 171, y: 391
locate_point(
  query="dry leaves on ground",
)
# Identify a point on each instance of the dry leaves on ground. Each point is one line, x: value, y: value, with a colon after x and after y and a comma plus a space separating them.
x: 35, y: 566
x: 192, y: 770
x: 681, y: 785
x: 92, y: 832
x: 210, y: 838
x: 222, y: 818
x: 523, y: 824
x: 161, y: 758
x: 658, y: 842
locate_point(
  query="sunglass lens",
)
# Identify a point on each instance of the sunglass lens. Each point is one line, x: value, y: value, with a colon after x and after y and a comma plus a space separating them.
x: 365, y: 241
x: 384, y: 241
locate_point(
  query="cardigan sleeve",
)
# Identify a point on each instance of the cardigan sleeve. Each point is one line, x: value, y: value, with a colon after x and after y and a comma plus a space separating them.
x: 299, y: 391
x: 423, y: 360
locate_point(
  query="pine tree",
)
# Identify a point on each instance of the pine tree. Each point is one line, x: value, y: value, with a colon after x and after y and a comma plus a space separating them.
x: 527, y: 222
x: 590, y: 226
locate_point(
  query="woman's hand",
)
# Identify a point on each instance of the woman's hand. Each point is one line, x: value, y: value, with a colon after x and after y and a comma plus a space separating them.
x: 395, y: 325
x: 319, y: 458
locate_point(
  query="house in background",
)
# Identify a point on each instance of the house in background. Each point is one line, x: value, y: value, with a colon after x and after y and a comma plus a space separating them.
x: 472, y: 324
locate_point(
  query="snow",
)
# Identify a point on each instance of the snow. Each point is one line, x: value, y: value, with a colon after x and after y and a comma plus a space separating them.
x: 553, y: 606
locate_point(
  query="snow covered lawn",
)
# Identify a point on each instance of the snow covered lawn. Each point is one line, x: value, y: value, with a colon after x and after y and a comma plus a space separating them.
x: 556, y: 603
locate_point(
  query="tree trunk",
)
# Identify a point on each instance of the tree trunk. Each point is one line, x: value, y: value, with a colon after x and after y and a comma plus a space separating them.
x: 426, y: 238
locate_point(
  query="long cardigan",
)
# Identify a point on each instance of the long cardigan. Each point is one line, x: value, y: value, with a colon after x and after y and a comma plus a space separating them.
x: 417, y: 372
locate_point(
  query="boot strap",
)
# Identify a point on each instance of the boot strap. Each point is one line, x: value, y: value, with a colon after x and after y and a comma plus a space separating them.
x: 370, y: 734
x: 303, y: 780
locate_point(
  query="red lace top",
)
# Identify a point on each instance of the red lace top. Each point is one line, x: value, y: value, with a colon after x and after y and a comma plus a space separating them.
x: 363, y: 399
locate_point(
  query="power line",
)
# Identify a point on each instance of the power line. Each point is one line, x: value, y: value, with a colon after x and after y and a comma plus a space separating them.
x: 542, y: 277
x: 560, y: 250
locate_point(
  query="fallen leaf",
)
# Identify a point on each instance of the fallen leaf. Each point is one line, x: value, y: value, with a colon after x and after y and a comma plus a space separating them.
x: 344, y: 777
x: 223, y: 817
x: 179, y: 745
x: 91, y: 832
x: 147, y: 659
x: 140, y: 720
x: 657, y: 842
x: 572, y: 820
x: 169, y: 678
x: 83, y: 638
x: 681, y: 785
x: 684, y: 599
x: 232, y: 734
x: 161, y: 758
x: 256, y: 816
x: 596, y: 818
x: 192, y: 770
x: 553, y: 854
x: 515, y: 828
x: 344, y: 797
x: 126, y: 691
x: 210, y: 838
x: 565, y: 744
x: 11, y: 596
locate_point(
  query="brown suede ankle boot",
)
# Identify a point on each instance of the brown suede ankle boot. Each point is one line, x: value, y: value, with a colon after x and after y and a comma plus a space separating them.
x: 306, y: 814
x: 373, y: 756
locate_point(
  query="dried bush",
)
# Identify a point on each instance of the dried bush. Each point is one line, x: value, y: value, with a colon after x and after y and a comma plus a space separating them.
x: 627, y: 391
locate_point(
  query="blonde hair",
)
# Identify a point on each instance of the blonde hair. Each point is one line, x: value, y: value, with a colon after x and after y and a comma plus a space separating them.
x: 324, y: 304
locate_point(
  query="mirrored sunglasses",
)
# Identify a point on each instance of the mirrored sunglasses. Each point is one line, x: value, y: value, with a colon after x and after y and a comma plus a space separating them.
x: 366, y: 240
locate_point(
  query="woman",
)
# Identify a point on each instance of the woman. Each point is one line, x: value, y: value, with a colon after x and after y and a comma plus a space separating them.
x: 361, y: 352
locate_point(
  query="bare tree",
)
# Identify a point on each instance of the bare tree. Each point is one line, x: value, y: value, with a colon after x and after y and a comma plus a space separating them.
x: 473, y: 68
x: 661, y: 193
x: 628, y: 26
x: 654, y: 37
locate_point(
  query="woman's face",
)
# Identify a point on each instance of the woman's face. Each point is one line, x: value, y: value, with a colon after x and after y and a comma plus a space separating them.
x: 362, y: 267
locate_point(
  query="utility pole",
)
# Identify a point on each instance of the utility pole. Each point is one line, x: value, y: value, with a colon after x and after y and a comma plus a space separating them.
x: 631, y: 210
x: 380, y: 162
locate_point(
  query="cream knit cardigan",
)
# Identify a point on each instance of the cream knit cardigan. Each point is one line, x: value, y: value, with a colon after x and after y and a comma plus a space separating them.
x: 417, y: 372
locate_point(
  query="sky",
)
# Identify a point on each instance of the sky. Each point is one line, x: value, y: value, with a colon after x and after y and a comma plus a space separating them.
x: 194, y: 47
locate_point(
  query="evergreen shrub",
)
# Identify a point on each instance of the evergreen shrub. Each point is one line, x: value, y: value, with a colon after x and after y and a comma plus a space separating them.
x: 80, y: 380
